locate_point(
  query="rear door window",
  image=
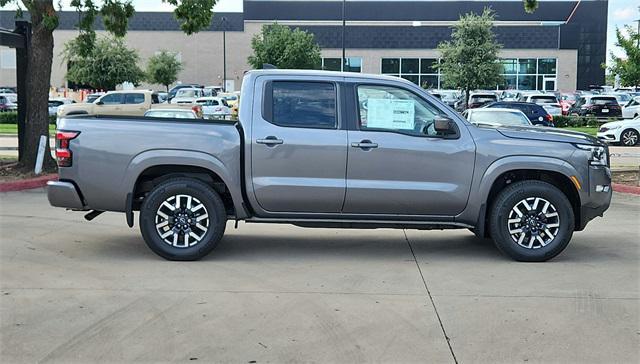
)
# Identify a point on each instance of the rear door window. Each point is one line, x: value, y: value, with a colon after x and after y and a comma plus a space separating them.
x: 134, y: 98
x: 301, y: 104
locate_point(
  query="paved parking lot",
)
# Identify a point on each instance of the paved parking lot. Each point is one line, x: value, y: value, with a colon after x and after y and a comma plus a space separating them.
x: 77, y: 291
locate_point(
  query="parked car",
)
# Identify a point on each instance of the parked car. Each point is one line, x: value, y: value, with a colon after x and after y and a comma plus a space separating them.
x: 536, y: 113
x: 187, y: 96
x: 478, y: 99
x: 622, y: 97
x: 57, y: 102
x: 449, y: 97
x: 548, y: 101
x: 90, y: 98
x: 212, y: 90
x: 8, y: 102
x: 171, y: 113
x: 129, y: 102
x: 509, y: 95
x: 214, y: 106
x: 632, y: 108
x: 174, y: 90
x: 596, y: 105
x: 231, y: 98
x: 496, y: 117
x: 624, y: 132
x: 289, y: 160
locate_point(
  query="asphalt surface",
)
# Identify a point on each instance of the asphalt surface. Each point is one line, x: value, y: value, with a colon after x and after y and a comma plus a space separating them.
x: 78, y: 291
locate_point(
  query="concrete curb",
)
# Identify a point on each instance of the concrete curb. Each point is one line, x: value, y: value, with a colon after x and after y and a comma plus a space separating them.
x: 26, y: 184
x: 617, y: 187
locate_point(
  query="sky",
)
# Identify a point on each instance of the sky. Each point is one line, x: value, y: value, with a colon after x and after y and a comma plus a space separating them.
x: 621, y: 12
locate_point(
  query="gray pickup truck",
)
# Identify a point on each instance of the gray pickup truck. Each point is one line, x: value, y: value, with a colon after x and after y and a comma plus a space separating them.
x: 338, y: 150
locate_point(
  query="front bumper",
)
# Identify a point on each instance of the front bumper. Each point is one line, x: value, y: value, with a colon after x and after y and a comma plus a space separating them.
x: 64, y: 194
x: 599, y: 195
x: 608, y: 136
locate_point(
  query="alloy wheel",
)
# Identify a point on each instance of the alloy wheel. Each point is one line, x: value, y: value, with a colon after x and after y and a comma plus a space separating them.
x: 182, y: 221
x: 630, y: 137
x: 533, y: 223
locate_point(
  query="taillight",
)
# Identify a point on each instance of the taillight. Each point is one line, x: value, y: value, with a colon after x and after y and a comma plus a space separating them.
x: 63, y: 153
x: 549, y: 118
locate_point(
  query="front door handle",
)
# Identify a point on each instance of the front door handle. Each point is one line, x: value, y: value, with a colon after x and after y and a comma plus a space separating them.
x: 365, y: 144
x: 270, y: 141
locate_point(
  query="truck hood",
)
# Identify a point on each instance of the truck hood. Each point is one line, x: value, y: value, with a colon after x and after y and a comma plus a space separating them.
x: 547, y: 134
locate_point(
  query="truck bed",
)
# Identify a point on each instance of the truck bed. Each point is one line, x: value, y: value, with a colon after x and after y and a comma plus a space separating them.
x: 110, y: 153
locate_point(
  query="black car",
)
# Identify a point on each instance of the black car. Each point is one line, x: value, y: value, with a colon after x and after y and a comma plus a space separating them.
x: 536, y: 113
x: 596, y: 105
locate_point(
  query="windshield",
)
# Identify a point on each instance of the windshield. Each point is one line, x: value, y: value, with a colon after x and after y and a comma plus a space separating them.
x: 501, y: 117
x: 622, y: 98
x: 544, y: 99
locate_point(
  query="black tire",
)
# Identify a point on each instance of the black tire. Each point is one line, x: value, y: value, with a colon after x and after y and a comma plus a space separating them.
x: 504, y: 205
x: 633, y: 134
x: 197, y: 190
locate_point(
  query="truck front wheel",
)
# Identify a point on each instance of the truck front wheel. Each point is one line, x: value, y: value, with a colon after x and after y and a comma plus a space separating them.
x: 182, y: 219
x: 531, y: 221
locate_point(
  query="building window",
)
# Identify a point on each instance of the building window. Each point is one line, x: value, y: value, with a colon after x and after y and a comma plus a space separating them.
x: 8, y: 58
x: 421, y: 71
x: 528, y: 73
x: 352, y: 64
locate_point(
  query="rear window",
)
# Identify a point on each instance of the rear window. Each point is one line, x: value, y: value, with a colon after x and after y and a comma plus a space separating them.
x: 604, y: 101
x: 301, y: 104
x: 544, y: 99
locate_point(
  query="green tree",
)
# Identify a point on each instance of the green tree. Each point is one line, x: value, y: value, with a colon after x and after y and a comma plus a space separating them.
x: 628, y: 66
x: 284, y: 48
x: 163, y: 68
x: 107, y: 64
x: 193, y: 16
x: 470, y: 58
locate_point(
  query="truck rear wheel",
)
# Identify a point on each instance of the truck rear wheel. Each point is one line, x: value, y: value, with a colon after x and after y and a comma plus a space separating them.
x: 182, y: 219
x: 531, y: 221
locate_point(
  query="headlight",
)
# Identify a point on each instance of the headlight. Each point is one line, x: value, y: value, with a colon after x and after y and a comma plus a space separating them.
x: 598, y: 154
x: 613, y: 127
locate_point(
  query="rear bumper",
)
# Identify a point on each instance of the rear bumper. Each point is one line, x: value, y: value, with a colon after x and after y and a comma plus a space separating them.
x: 64, y: 194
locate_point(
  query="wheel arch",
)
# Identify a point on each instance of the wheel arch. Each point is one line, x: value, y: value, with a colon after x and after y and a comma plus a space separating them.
x: 551, y: 170
x: 153, y: 167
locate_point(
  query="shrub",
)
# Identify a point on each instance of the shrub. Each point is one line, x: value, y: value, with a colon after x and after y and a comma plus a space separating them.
x: 576, y: 121
x: 11, y: 117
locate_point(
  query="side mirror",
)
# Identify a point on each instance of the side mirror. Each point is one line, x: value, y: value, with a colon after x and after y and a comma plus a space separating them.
x: 99, y: 103
x: 444, y: 125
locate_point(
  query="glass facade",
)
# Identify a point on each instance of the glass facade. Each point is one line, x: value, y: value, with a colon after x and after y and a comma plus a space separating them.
x: 352, y: 64
x: 518, y: 73
x: 420, y: 71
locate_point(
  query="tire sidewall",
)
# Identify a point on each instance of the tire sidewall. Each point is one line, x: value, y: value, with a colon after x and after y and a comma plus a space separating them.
x: 513, y: 194
x: 207, y: 196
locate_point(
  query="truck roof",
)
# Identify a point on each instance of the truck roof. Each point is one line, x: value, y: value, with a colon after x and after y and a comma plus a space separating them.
x: 319, y: 73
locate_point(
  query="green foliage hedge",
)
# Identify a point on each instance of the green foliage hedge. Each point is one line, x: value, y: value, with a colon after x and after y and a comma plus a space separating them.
x: 11, y: 117
x: 579, y: 121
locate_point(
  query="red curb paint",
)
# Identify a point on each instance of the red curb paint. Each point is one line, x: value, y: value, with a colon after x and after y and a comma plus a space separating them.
x: 26, y: 184
x: 617, y: 187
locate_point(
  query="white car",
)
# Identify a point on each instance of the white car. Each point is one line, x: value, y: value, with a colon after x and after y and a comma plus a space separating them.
x: 625, y: 132
x: 214, y: 106
x: 187, y: 95
x: 548, y: 101
x: 632, y: 108
x: 495, y: 117
x: 57, y: 102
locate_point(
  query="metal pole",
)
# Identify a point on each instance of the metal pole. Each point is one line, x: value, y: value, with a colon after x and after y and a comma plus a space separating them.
x: 22, y: 69
x: 224, y: 54
x: 344, y: 22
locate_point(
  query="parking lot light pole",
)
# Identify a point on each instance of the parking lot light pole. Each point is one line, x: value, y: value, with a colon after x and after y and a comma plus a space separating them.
x: 344, y: 22
x: 224, y: 54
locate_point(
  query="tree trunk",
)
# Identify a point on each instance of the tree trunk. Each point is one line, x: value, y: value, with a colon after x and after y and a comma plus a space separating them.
x: 40, y: 57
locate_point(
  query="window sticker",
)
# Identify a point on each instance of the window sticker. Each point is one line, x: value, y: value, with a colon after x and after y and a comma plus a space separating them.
x: 390, y: 114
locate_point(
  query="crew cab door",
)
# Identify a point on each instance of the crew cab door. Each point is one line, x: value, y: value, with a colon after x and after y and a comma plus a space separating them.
x: 109, y: 104
x: 135, y: 103
x: 298, y: 151
x: 397, y: 163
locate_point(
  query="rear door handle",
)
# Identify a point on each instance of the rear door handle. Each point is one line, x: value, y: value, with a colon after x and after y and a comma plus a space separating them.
x: 365, y: 144
x: 270, y: 140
